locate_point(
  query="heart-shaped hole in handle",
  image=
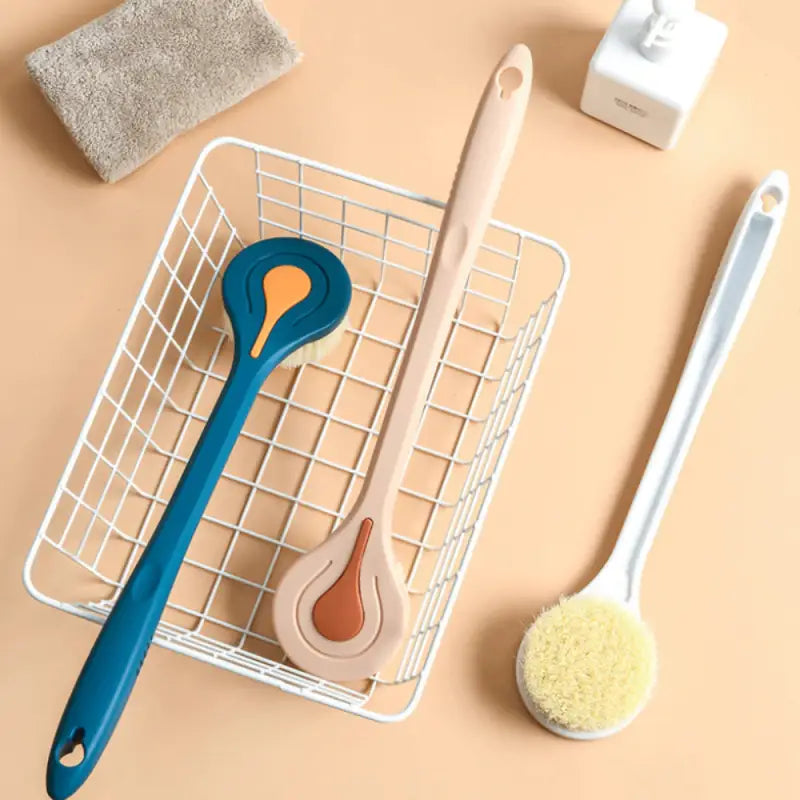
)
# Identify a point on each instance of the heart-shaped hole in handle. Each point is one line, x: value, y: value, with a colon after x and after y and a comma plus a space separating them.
x: 72, y: 752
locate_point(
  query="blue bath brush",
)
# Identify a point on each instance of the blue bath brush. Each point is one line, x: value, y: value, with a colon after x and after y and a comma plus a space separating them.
x: 280, y: 294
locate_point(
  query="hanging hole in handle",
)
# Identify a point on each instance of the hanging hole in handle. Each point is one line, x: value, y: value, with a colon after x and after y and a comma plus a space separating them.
x: 770, y: 200
x: 72, y: 751
x: 510, y: 79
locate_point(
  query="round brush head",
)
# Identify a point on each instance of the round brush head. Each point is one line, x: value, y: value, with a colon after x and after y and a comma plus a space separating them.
x: 586, y: 667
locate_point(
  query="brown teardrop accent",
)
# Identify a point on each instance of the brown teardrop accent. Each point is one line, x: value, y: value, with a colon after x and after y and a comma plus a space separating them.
x: 339, y: 613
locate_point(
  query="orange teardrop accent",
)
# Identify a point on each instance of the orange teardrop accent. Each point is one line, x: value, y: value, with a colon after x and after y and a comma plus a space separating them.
x: 339, y: 613
x: 284, y: 287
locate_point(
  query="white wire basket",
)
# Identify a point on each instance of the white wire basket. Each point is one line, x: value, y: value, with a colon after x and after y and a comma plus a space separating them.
x: 301, y: 457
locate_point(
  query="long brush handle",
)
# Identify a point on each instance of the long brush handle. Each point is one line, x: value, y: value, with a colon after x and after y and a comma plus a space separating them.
x: 484, y: 161
x: 738, y: 277
x: 111, y: 669
x: 280, y: 294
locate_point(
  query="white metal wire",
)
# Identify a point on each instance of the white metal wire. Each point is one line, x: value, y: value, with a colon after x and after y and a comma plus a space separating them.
x: 171, y: 360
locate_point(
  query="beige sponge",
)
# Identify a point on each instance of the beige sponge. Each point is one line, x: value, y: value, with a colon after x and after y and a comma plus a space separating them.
x: 128, y: 82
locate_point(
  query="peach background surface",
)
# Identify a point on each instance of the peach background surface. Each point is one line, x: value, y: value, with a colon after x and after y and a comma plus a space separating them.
x: 387, y: 90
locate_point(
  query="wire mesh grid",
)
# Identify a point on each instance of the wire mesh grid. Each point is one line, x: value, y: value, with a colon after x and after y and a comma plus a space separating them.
x: 304, y: 450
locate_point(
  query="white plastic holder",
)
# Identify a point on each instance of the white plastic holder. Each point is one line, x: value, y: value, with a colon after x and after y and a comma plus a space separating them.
x: 651, y: 67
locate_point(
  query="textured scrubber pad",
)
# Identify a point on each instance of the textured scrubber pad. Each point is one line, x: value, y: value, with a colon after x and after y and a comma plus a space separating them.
x: 128, y: 82
x: 588, y: 664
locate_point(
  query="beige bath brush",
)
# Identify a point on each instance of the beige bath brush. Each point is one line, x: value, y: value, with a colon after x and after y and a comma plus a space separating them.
x: 586, y: 667
x: 340, y: 611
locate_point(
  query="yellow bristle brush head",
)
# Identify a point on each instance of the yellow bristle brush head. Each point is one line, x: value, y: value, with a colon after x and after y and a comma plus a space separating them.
x: 586, y: 666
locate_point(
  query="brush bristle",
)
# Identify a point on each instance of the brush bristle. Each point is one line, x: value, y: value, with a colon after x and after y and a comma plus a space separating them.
x: 317, y: 350
x: 312, y: 352
x: 587, y: 664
